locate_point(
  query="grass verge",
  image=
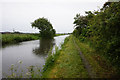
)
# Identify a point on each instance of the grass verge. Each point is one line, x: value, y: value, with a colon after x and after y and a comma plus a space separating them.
x: 99, y: 63
x: 65, y: 63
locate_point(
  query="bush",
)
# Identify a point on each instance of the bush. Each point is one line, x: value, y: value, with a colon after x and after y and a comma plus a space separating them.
x: 102, y: 30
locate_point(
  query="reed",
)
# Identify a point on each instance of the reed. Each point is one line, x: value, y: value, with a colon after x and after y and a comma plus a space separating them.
x: 15, y: 38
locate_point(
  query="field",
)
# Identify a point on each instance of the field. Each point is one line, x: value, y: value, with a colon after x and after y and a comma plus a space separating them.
x: 15, y: 38
x: 62, y: 34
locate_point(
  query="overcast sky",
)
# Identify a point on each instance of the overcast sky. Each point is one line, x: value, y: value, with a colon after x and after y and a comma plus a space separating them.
x: 18, y: 14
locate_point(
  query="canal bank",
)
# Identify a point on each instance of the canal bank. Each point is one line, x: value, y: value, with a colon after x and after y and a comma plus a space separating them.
x: 69, y: 63
x: 73, y: 59
x: 18, y: 57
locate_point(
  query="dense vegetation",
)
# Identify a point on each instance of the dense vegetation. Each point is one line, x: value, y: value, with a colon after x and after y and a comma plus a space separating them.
x: 101, y: 29
x: 45, y: 27
x: 67, y: 62
x: 14, y: 38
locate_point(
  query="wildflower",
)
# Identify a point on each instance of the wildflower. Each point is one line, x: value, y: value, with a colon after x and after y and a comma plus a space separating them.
x: 12, y: 65
x: 13, y: 74
x: 28, y: 73
x: 20, y: 62
x: 30, y: 68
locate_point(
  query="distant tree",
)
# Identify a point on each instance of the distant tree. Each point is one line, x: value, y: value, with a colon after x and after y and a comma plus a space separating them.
x: 45, y: 27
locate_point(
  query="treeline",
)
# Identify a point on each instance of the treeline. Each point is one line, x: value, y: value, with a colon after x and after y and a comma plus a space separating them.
x: 101, y: 29
x: 16, y: 33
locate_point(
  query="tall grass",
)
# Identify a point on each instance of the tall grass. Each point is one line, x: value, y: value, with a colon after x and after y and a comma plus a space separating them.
x: 65, y: 63
x: 16, y: 71
x: 50, y: 59
x: 14, y: 38
x: 53, y: 56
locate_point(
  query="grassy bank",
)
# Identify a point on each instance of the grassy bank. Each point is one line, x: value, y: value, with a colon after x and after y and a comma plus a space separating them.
x: 14, y: 38
x: 60, y: 34
x: 99, y: 63
x: 66, y: 63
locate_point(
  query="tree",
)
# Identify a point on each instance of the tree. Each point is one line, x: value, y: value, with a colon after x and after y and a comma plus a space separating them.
x: 45, y: 27
x: 102, y: 30
x: 80, y: 21
x: 81, y: 24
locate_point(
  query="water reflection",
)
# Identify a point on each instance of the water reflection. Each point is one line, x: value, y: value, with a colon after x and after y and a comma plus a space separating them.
x: 10, y: 45
x: 44, y: 46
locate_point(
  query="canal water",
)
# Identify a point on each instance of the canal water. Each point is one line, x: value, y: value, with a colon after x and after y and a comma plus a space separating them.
x: 28, y: 53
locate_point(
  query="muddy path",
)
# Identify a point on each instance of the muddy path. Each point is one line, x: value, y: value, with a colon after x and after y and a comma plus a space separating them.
x: 85, y: 62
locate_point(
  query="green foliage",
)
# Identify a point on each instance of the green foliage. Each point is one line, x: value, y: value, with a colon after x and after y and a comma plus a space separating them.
x: 14, y: 38
x: 45, y: 27
x: 99, y: 63
x: 67, y: 62
x: 102, y: 30
x: 50, y: 59
x: 80, y: 21
x: 61, y: 34
x: 81, y: 24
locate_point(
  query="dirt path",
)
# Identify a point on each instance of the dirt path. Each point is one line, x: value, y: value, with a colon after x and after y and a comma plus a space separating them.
x: 85, y: 62
x: 72, y: 63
